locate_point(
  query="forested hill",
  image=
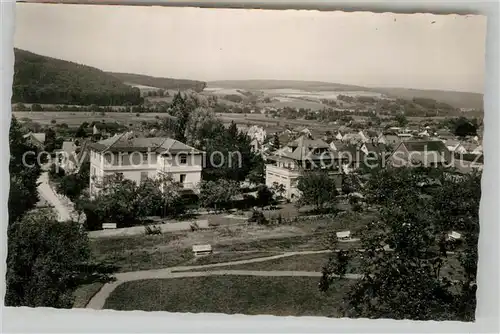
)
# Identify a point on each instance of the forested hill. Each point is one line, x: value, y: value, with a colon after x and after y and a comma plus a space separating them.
x: 45, y: 80
x: 164, y: 83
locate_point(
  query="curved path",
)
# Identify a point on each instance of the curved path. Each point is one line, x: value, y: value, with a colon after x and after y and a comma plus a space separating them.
x: 50, y: 196
x: 97, y: 302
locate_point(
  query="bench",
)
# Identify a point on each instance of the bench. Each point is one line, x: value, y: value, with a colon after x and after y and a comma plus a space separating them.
x: 199, y: 250
x: 108, y: 226
x: 344, y: 235
x: 454, y: 236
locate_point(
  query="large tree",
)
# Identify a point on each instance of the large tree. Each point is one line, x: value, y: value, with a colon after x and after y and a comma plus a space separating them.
x: 406, y: 270
x: 463, y: 127
x: 218, y: 194
x: 317, y: 188
x: 47, y: 260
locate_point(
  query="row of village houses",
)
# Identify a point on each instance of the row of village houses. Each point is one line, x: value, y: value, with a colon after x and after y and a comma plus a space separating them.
x: 341, y: 153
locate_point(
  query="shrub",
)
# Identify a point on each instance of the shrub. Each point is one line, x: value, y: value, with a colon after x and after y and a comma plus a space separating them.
x: 152, y: 230
x: 258, y: 217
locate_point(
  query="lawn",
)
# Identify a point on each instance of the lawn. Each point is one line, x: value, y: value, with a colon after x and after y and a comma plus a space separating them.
x: 143, y: 252
x: 308, y: 262
x: 228, y: 257
x: 281, y: 296
x: 315, y: 262
x: 139, y: 252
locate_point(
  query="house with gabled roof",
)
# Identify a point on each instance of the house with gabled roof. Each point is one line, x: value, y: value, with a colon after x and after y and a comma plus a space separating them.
x: 287, y: 164
x: 426, y: 153
x: 140, y: 158
x: 455, y: 146
x: 36, y: 138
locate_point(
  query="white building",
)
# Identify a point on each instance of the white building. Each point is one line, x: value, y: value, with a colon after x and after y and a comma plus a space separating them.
x: 302, y: 154
x: 139, y: 158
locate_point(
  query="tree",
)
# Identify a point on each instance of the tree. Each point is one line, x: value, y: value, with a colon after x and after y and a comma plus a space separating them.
x: 50, y: 140
x: 73, y: 185
x: 200, y: 127
x: 181, y: 108
x: 161, y: 195
x: 257, y: 174
x: 218, y: 194
x: 317, y: 188
x: 276, y: 142
x: 462, y: 127
x: 401, y: 120
x: 24, y: 173
x: 350, y: 183
x: 80, y: 132
x: 47, y: 260
x: 279, y: 190
x: 409, y: 282
x: 264, y: 195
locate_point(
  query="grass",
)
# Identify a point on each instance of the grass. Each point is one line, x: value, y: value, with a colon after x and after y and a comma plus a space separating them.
x: 281, y: 296
x: 228, y: 257
x: 120, y: 244
x: 315, y: 262
x: 139, y: 252
x: 85, y: 293
x: 308, y: 262
x: 276, y: 244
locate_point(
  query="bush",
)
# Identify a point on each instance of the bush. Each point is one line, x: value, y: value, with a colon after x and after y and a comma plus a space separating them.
x: 36, y: 107
x: 152, y: 230
x: 258, y: 217
x: 357, y: 207
x: 56, y: 172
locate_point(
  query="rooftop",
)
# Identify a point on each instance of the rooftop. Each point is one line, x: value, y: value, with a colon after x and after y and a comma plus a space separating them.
x: 127, y: 142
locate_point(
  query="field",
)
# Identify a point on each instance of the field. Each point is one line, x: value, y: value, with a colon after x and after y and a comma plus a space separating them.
x: 456, y: 99
x: 74, y: 119
x: 281, y: 296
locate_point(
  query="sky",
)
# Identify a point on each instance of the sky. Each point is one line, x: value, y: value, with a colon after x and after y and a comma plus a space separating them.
x: 421, y: 51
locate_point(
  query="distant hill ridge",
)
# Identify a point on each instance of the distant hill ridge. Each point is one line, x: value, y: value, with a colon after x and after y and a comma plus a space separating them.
x: 164, y: 83
x: 456, y: 99
x: 46, y: 80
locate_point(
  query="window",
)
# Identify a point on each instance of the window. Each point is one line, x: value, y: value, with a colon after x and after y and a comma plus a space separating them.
x: 183, y: 159
x: 182, y: 178
x: 93, y: 170
x: 123, y: 159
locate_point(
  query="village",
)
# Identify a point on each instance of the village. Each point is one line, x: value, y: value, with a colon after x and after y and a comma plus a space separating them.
x: 331, y: 190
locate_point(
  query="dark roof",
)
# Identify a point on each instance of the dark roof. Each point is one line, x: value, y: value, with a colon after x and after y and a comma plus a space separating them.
x: 302, y: 148
x: 425, y: 145
x: 305, y: 142
x: 127, y: 142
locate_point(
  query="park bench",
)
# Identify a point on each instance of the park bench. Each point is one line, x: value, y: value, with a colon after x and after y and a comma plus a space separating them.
x: 108, y: 226
x: 344, y: 235
x: 199, y: 250
x: 453, y: 236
